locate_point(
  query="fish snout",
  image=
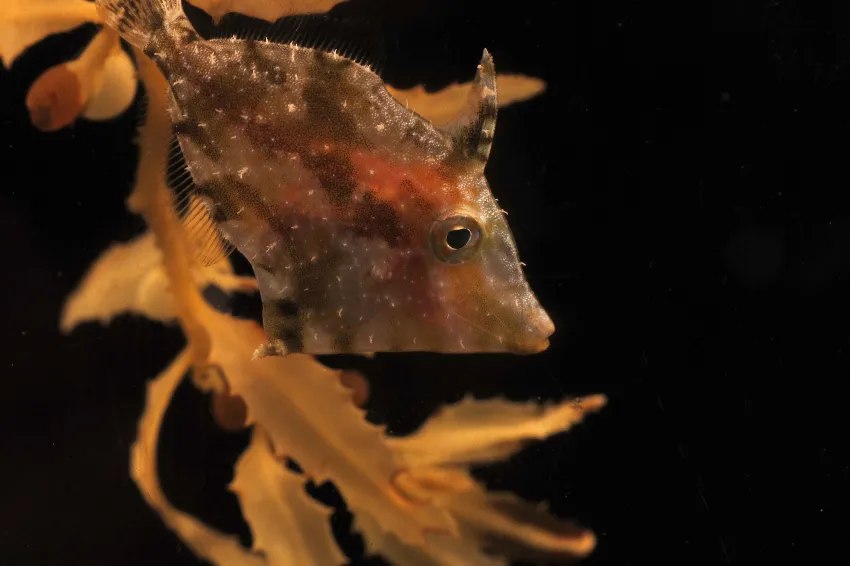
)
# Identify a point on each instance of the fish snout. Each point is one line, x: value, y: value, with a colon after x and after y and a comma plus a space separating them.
x: 534, y: 336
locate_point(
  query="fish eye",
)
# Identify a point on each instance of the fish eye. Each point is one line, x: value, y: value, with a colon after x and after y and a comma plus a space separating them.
x: 456, y: 238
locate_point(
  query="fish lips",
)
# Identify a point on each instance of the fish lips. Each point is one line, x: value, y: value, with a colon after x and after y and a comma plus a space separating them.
x: 535, y: 338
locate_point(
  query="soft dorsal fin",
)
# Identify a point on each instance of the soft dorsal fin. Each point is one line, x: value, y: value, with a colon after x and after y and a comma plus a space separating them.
x: 472, y: 130
x: 353, y: 38
x: 199, y: 226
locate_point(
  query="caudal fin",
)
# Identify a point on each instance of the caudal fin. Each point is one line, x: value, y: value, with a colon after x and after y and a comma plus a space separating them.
x: 138, y: 20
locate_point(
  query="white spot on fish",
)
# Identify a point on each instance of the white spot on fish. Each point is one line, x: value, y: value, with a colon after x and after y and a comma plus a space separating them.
x: 291, y: 107
x: 380, y: 127
x: 242, y: 172
x: 339, y: 313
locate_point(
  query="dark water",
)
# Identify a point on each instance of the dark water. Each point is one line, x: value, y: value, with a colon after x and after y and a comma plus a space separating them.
x: 680, y: 195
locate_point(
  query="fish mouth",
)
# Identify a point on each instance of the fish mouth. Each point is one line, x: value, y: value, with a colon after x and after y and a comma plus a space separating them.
x: 536, y: 337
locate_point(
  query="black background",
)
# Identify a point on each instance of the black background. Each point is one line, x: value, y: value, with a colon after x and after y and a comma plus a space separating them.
x: 680, y: 195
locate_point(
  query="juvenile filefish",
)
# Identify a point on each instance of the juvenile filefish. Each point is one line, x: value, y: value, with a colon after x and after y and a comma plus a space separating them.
x: 368, y: 228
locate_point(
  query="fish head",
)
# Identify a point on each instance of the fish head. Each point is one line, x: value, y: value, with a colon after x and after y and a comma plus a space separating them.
x: 474, y: 269
x: 476, y: 278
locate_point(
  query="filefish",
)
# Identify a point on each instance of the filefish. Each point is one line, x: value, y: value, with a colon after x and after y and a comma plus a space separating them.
x: 368, y: 228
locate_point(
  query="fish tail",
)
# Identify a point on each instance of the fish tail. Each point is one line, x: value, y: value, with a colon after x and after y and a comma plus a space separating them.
x: 140, y: 21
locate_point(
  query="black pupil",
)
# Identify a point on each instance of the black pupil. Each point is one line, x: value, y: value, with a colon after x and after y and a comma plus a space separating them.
x: 458, y: 237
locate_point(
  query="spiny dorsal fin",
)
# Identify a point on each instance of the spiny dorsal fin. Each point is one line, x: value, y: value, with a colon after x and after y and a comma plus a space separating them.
x: 472, y: 130
x: 197, y: 221
x: 353, y: 38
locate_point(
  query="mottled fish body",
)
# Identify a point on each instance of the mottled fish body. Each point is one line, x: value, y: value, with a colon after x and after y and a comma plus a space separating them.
x: 368, y: 228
